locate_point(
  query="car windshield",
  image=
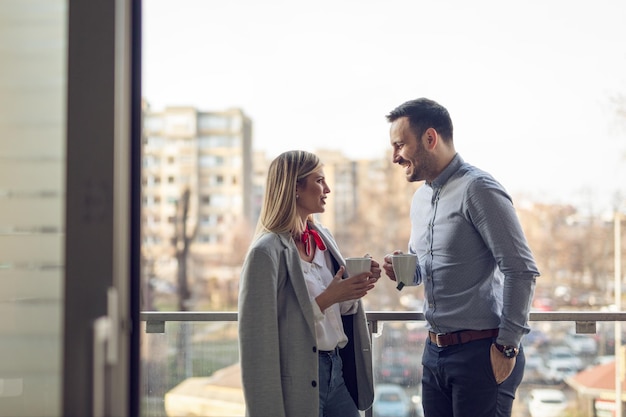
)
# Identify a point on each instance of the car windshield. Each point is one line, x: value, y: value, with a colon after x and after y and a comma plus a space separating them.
x: 390, y: 396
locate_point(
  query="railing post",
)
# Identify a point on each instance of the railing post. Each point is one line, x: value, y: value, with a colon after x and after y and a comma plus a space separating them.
x: 372, y: 325
x: 618, y: 306
x: 155, y: 326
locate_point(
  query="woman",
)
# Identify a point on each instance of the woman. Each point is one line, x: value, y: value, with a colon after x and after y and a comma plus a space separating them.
x: 301, y: 320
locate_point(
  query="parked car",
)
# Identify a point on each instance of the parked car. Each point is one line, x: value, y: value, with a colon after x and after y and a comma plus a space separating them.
x: 601, y: 360
x: 536, y: 338
x: 559, y: 371
x: 561, y: 364
x: 399, y: 366
x: 563, y: 355
x: 582, y: 344
x: 395, y: 373
x: 391, y: 400
x: 546, y: 402
x: 535, y: 370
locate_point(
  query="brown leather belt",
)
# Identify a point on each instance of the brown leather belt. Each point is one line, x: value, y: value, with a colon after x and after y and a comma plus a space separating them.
x: 462, y: 336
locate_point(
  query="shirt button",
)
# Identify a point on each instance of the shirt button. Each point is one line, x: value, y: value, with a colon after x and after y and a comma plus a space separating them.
x: 313, y: 384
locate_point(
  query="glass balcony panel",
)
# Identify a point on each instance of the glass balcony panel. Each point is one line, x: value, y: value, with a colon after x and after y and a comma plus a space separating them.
x: 192, y: 368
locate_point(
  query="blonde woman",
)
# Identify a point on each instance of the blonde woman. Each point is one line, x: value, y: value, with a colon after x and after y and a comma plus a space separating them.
x: 303, y: 337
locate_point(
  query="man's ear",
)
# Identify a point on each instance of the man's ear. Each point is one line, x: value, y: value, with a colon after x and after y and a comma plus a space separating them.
x: 430, y: 138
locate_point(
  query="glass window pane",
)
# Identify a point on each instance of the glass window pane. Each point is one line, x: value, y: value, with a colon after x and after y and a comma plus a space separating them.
x: 32, y: 158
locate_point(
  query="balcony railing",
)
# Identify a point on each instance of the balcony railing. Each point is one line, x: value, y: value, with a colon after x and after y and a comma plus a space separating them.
x: 190, y: 359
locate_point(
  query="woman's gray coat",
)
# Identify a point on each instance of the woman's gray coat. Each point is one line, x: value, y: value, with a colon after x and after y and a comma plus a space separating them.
x: 277, y: 343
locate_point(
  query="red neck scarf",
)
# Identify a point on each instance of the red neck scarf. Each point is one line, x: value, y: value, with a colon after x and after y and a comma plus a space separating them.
x: 307, y: 242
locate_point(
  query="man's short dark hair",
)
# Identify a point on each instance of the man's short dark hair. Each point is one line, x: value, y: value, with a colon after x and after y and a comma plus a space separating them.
x: 424, y: 113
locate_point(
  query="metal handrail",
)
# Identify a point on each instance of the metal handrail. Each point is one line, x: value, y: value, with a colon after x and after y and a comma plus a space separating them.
x: 585, y: 320
x: 573, y: 316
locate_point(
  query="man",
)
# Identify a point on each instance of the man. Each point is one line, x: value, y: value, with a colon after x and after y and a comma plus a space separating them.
x: 475, y: 264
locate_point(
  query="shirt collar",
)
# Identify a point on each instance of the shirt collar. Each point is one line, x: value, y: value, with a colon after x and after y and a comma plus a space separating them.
x: 319, y: 259
x: 448, y: 171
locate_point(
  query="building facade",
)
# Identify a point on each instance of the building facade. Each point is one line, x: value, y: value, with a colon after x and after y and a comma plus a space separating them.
x: 197, y: 196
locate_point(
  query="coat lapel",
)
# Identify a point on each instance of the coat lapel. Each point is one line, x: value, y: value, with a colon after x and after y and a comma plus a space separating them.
x: 331, y: 245
x: 296, y: 276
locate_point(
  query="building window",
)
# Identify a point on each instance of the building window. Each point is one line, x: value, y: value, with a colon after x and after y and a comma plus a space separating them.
x: 214, y: 121
x: 220, y: 200
x: 218, y: 141
x: 150, y: 161
x: 153, y: 123
x: 154, y: 141
x: 216, y: 180
x: 209, y: 161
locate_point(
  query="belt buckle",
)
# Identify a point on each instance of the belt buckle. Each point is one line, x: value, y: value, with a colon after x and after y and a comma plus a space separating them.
x: 437, y: 340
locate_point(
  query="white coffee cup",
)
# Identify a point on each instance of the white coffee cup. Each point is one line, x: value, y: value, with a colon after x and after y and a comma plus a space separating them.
x: 404, y: 267
x: 357, y: 265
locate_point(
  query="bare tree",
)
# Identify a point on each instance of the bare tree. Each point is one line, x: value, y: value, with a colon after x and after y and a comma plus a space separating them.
x: 572, y: 250
x: 182, y: 241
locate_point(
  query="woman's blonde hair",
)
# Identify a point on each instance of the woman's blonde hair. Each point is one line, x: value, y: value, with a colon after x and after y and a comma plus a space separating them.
x: 278, y: 213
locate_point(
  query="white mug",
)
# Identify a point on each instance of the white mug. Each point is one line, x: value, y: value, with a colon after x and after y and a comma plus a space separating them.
x: 404, y: 267
x: 357, y: 265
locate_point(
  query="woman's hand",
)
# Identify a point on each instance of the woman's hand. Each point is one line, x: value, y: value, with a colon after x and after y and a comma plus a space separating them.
x: 351, y: 288
x: 375, y: 270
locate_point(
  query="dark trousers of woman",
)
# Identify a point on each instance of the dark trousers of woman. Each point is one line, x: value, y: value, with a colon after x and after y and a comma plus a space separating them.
x: 458, y: 381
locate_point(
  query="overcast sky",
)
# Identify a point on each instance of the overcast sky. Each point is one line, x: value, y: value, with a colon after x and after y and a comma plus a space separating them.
x: 531, y: 85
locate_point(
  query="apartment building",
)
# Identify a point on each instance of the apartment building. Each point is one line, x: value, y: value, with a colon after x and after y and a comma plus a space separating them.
x: 260, y: 166
x: 197, y: 193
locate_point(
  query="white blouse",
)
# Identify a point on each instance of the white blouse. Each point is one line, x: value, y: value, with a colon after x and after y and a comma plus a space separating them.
x: 328, y: 325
